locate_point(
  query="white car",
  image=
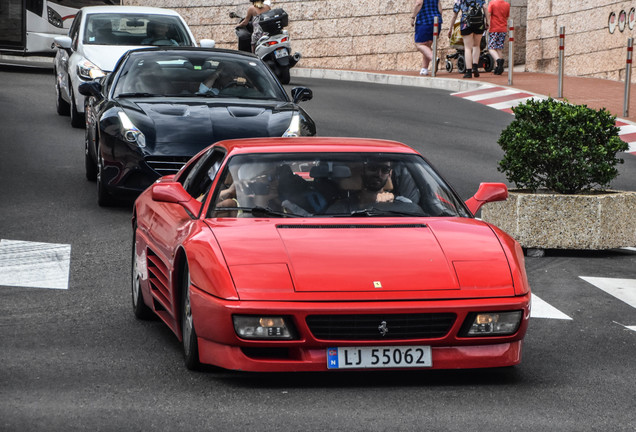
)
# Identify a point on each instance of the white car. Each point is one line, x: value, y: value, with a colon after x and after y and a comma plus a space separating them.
x: 99, y: 36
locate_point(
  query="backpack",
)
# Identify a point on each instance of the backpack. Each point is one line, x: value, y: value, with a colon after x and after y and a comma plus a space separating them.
x: 475, y: 18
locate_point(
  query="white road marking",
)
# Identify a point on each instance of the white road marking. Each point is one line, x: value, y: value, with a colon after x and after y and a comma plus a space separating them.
x: 34, y: 265
x: 542, y: 309
x: 622, y: 289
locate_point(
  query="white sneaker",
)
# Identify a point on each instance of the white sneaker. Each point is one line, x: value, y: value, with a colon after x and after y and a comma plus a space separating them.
x: 423, y: 71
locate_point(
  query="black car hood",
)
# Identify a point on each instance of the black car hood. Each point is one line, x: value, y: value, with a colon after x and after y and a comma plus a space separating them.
x: 194, y: 125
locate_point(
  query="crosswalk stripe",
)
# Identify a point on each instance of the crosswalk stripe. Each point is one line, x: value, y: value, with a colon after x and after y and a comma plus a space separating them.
x: 542, y: 309
x: 34, y: 265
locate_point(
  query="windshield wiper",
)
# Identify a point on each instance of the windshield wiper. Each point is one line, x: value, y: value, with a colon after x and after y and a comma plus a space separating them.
x: 138, y: 94
x: 373, y: 212
x: 259, y: 211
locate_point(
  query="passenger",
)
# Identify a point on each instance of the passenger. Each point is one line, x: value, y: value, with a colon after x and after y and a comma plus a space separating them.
x: 253, y: 16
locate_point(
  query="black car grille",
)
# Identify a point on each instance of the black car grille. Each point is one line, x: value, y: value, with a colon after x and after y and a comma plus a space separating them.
x: 370, y: 327
x: 166, y: 165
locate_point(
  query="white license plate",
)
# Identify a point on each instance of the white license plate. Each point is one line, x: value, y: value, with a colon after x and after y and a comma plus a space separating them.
x: 280, y: 52
x: 379, y: 357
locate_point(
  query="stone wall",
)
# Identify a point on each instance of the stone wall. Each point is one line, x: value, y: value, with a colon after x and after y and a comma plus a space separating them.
x: 363, y: 35
x: 590, y: 49
x: 335, y: 34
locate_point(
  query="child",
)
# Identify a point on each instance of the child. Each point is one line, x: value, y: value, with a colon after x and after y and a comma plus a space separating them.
x: 498, y: 13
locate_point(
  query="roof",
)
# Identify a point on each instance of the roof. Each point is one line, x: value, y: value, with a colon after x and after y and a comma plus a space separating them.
x: 129, y: 9
x: 312, y: 144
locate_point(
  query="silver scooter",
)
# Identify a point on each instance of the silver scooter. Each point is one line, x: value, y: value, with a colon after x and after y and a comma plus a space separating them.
x: 274, y: 47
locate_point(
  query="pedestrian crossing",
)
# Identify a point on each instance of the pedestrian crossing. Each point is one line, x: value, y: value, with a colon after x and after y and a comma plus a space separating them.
x: 505, y: 98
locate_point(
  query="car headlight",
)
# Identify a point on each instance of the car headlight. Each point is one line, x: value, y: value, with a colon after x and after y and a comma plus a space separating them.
x: 130, y: 132
x: 88, y: 71
x: 294, y: 127
x: 492, y: 323
x: 263, y: 327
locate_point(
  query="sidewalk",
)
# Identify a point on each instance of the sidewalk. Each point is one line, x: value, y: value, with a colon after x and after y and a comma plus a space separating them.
x: 593, y: 92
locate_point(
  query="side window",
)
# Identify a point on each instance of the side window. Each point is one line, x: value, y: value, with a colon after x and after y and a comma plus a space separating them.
x: 198, y: 181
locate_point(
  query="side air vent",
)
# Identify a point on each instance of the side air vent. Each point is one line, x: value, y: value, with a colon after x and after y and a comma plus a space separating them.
x: 166, y: 165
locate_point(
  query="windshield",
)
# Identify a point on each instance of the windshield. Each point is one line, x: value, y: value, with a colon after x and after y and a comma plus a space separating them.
x: 135, y: 29
x: 332, y: 185
x: 201, y: 74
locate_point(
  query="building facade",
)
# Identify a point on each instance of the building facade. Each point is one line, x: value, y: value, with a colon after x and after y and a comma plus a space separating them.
x: 363, y: 35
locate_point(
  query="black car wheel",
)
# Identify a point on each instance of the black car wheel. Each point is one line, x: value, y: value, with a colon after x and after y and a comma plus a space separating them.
x: 77, y: 119
x: 90, y: 165
x: 189, y: 335
x: 140, y: 309
x: 62, y: 107
x: 104, y: 199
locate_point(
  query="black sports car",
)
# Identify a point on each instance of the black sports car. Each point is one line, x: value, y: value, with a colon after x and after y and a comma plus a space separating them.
x: 161, y: 106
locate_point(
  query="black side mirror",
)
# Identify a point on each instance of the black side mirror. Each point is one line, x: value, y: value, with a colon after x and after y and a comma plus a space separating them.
x: 91, y: 88
x: 301, y: 94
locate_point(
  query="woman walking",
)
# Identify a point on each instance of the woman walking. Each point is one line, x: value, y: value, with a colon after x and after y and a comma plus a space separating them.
x: 472, y: 26
x: 423, y: 18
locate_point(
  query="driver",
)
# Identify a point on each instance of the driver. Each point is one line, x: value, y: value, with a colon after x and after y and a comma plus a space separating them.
x: 225, y: 75
x: 157, y: 34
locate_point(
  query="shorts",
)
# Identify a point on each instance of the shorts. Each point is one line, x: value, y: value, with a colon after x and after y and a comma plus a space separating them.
x: 496, y: 40
x: 423, y: 33
x: 469, y: 30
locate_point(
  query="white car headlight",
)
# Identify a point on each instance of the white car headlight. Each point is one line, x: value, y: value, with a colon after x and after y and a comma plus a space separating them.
x: 88, y: 71
x: 294, y: 127
x: 130, y: 132
x: 262, y: 327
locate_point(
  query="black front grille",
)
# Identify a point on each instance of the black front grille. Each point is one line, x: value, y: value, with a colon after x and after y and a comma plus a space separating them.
x: 166, y: 165
x: 371, y: 327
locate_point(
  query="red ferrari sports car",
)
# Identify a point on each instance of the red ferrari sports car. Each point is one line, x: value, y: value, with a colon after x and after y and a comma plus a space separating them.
x: 312, y: 254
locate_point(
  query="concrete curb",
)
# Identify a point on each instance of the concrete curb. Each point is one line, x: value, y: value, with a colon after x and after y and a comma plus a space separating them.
x: 450, y: 84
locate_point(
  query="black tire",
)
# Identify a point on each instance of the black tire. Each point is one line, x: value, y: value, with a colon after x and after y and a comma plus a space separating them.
x: 486, y: 62
x: 283, y: 74
x: 61, y: 106
x: 77, y: 119
x: 140, y: 309
x: 89, y: 163
x: 449, y: 66
x: 188, y: 333
x: 104, y: 199
x: 461, y: 64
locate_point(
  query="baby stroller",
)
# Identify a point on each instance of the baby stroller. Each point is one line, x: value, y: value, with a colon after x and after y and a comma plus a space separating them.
x: 456, y: 41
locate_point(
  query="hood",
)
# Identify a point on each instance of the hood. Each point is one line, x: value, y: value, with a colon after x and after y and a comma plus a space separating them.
x: 106, y: 57
x: 366, y: 260
x: 195, y: 124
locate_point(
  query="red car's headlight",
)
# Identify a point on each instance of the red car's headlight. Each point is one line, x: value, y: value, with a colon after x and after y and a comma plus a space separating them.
x: 492, y: 323
x: 263, y: 327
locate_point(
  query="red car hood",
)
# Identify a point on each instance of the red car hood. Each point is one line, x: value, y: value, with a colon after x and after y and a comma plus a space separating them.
x: 368, y: 259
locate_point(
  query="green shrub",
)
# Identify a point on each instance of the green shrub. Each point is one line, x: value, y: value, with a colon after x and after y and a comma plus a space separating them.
x: 560, y: 147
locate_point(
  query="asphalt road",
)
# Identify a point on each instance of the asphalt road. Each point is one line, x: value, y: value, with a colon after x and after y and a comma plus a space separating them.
x: 76, y: 358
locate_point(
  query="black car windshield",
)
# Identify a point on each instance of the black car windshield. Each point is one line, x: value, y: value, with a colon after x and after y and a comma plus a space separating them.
x: 135, y: 29
x: 333, y: 185
x: 202, y: 74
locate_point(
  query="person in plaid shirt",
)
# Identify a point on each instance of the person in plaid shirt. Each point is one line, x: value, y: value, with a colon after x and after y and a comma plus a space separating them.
x: 422, y: 18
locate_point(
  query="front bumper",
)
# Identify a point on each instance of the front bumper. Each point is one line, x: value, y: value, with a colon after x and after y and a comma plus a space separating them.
x: 219, y: 345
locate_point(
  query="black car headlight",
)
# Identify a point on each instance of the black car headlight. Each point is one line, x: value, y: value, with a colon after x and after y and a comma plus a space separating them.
x: 263, y: 327
x: 294, y: 127
x: 492, y: 323
x: 130, y: 132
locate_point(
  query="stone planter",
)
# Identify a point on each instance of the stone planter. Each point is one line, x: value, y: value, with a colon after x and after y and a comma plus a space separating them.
x: 554, y: 221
